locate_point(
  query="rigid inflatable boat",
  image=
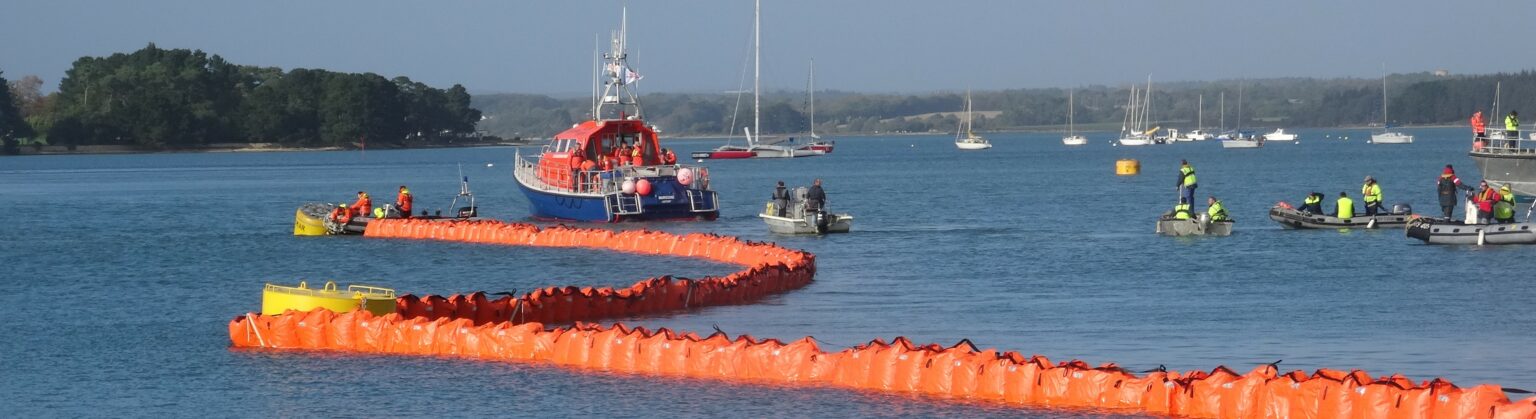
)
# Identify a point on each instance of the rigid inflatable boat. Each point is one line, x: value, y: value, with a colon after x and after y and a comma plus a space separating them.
x: 276, y: 299
x: 1291, y: 218
x: 1441, y: 231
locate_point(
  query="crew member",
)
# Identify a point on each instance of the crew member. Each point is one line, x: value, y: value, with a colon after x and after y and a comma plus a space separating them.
x: 815, y: 198
x: 1512, y: 128
x: 780, y: 199
x: 637, y: 155
x: 1447, y: 186
x: 1313, y: 203
x: 403, y: 202
x: 1215, y: 209
x: 1181, y: 211
x: 1372, y: 193
x: 667, y: 157
x: 364, y: 204
x: 1479, y: 130
x: 1484, y: 199
x: 342, y: 214
x: 1504, y: 210
x: 1345, y: 207
x: 1187, y: 183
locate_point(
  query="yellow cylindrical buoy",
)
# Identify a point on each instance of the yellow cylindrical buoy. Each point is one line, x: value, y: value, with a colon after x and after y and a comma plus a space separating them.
x: 1127, y: 167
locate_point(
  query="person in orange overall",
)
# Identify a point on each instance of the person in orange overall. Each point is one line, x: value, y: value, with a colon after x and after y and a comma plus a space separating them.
x: 342, y: 214
x: 636, y: 157
x: 667, y: 157
x: 403, y: 202
x: 364, y: 204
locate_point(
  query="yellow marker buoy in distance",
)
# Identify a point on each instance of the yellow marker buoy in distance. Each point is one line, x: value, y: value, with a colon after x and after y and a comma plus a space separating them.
x: 1127, y: 167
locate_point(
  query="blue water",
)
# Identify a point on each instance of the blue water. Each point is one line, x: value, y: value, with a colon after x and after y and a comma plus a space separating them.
x: 122, y: 271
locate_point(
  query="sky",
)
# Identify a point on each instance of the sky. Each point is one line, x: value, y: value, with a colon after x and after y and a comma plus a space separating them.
x: 528, y: 46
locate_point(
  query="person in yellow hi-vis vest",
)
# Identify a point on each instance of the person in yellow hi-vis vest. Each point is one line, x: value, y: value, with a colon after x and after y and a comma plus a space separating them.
x: 1371, y: 193
x: 1345, y: 207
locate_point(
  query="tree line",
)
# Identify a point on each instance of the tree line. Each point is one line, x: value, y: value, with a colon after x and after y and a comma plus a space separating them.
x: 1413, y: 99
x: 175, y: 98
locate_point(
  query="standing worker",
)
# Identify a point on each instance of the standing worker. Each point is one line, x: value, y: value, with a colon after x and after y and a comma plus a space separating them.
x: 780, y: 199
x: 1345, y: 207
x: 1447, y: 186
x: 1187, y: 182
x: 1484, y: 199
x: 1479, y: 129
x: 816, y: 198
x: 403, y: 202
x: 1372, y: 193
x: 364, y: 204
x: 1511, y: 128
x: 1215, y: 209
x: 1504, y: 209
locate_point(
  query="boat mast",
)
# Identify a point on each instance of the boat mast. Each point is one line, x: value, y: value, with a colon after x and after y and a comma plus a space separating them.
x: 968, y: 131
x: 597, y: 53
x: 617, y: 91
x: 1384, y: 121
x: 1071, y: 121
x: 757, y: 64
x: 1497, y: 88
x: 812, y: 88
x: 1200, y: 113
x: 1146, y: 119
x: 1223, y: 110
x: 1239, y: 126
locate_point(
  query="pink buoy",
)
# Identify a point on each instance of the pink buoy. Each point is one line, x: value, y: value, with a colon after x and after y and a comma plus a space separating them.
x: 628, y: 186
x: 643, y: 187
x: 685, y: 176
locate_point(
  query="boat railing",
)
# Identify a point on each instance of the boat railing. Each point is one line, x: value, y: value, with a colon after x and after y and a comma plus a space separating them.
x: 1498, y: 143
x: 602, y: 182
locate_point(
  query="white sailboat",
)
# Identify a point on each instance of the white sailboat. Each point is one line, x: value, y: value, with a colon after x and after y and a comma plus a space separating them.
x: 1387, y: 135
x: 965, y: 139
x: 1072, y: 138
x: 1237, y: 138
x: 1133, y: 130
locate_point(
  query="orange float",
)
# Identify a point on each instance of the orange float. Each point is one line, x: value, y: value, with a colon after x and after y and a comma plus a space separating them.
x: 514, y: 329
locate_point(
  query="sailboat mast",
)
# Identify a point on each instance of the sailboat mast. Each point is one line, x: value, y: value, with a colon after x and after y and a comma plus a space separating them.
x: 1200, y: 113
x: 813, y: 98
x: 1384, y: 121
x: 757, y: 64
x: 968, y: 129
x: 1146, y: 120
x: 1071, y: 113
x: 1223, y: 110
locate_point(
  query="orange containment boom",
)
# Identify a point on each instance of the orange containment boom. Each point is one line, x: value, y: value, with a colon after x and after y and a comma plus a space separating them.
x: 514, y: 329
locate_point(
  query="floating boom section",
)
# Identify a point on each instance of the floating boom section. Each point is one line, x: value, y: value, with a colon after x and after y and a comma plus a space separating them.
x: 514, y: 329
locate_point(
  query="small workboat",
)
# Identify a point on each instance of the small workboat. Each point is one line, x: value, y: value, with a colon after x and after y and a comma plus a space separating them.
x: 794, y: 219
x: 1279, y: 134
x: 1242, y: 139
x: 314, y: 219
x: 1291, y: 218
x: 1168, y: 225
x: 1442, y: 231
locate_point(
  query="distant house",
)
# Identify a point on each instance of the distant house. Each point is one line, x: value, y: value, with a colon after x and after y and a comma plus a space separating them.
x: 1442, y: 73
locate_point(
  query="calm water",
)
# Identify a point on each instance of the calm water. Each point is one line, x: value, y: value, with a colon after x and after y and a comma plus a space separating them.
x: 121, y: 273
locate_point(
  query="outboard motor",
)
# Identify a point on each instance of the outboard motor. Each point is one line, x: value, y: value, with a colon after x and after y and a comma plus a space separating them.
x: 1401, y: 209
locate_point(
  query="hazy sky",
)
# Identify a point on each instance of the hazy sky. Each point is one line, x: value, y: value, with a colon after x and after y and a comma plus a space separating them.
x: 859, y: 45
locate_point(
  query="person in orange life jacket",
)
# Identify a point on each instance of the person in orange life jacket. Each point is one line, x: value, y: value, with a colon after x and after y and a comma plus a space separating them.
x: 1446, y: 186
x: 637, y: 155
x: 403, y: 202
x: 364, y: 204
x: 342, y: 214
x: 1485, y: 199
x: 1479, y: 130
x: 667, y: 157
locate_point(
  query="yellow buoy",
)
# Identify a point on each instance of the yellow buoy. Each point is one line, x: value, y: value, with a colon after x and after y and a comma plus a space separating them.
x: 1127, y: 167
x: 276, y: 299
x: 306, y: 225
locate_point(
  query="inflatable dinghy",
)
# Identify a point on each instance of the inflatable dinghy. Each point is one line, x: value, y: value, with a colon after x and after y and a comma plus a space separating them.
x: 1441, y: 231
x: 1292, y: 218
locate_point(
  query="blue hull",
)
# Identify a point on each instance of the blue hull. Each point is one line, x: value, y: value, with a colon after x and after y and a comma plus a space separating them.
x: 668, y: 200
